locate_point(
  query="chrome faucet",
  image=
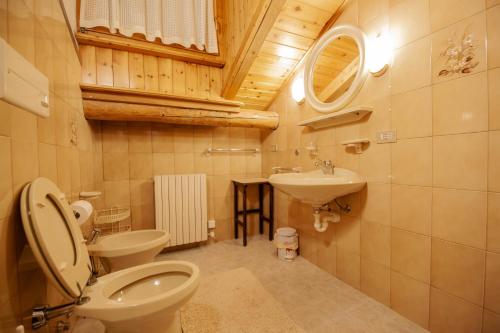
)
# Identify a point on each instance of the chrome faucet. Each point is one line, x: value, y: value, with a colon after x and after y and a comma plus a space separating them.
x: 326, y: 166
x: 94, y: 235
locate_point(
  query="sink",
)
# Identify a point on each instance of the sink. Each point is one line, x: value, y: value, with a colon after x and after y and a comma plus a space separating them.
x: 317, y: 188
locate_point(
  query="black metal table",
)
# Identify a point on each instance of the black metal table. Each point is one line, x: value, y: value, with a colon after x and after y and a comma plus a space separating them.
x: 261, y: 183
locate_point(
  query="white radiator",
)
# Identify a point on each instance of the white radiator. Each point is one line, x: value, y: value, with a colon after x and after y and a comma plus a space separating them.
x: 181, y: 207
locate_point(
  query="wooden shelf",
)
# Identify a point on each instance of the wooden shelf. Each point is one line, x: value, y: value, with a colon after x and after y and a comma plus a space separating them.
x: 338, y: 118
x: 123, y: 104
x: 107, y: 40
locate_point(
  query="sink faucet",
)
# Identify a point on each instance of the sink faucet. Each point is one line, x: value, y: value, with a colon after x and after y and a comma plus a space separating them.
x: 326, y: 166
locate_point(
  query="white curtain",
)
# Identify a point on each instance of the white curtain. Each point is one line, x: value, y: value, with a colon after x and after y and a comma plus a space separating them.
x: 184, y: 22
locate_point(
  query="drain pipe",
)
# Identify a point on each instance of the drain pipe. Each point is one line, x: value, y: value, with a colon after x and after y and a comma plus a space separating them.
x: 322, y: 225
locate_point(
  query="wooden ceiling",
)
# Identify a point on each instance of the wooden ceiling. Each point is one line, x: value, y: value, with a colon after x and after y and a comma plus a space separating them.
x: 298, y: 25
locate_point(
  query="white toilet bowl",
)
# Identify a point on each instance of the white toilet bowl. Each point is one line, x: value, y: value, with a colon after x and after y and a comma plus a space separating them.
x: 128, y: 249
x: 144, y: 298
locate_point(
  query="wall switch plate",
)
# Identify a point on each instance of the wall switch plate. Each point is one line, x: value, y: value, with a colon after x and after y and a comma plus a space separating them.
x: 211, y: 224
x: 274, y: 148
x: 386, y: 136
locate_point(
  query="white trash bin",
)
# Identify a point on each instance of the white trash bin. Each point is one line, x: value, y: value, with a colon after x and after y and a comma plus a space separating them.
x: 287, y: 243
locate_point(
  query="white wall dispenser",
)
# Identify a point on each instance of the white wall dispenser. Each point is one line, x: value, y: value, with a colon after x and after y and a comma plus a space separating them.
x: 21, y: 83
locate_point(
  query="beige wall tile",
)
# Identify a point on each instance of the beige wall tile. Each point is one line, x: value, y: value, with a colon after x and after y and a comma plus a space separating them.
x: 375, y: 163
x: 493, y: 230
x: 409, y: 21
x: 491, y: 322
x: 494, y: 161
x: 64, y: 169
x: 116, y: 166
x: 183, y: 139
x: 491, y: 3
x: 475, y: 28
x: 369, y: 10
x: 114, y: 137
x: 413, y: 61
x: 141, y: 165
x: 376, y: 203
x: 6, y: 178
x: 452, y: 314
x: 117, y: 193
x: 464, y: 112
x: 376, y: 281
x: 348, y: 235
x: 141, y: 192
x: 458, y: 270
x: 5, y: 118
x: 492, y: 282
x: 47, y: 159
x: 411, y: 208
x: 494, y: 98
x: 412, y: 162
x: 460, y: 216
x: 143, y: 217
x: 446, y: 12
x: 24, y: 125
x: 183, y: 163
x: 493, y: 30
x: 163, y: 163
x: 162, y: 137
x: 376, y: 242
x: 139, y: 137
x: 25, y: 162
x: 412, y: 113
x: 460, y: 161
x: 327, y: 251
x: 411, y: 254
x: 410, y: 298
x: 21, y: 29
x: 348, y: 268
x: 203, y: 138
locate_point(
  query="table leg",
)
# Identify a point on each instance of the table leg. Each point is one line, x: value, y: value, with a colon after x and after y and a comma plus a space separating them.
x: 244, y: 215
x: 235, y: 210
x: 271, y: 212
x: 261, y: 208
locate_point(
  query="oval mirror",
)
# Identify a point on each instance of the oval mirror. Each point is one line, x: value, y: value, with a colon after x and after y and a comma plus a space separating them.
x: 336, y: 69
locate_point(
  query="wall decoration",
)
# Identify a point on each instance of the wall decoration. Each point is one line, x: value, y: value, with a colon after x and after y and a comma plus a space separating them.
x: 459, y: 56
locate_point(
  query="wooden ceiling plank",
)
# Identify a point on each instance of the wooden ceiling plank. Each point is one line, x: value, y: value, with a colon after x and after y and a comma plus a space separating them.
x: 338, y: 81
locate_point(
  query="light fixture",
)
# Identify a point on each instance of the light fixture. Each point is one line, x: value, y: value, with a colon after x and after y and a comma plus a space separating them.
x: 380, y: 53
x: 298, y: 93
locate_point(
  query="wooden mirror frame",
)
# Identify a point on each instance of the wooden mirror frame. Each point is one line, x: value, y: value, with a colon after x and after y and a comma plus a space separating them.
x: 338, y: 31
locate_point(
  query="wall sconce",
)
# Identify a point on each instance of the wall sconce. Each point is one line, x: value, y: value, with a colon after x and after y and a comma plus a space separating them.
x: 380, y: 54
x: 298, y: 92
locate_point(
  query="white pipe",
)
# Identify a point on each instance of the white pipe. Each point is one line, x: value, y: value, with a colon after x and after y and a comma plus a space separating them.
x: 319, y: 225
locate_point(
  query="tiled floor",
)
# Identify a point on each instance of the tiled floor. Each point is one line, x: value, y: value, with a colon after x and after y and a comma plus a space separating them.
x: 314, y: 299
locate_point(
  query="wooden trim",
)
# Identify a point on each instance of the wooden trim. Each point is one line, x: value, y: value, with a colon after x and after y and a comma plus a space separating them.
x: 262, y: 23
x: 114, y: 94
x: 107, y: 40
x: 123, y: 111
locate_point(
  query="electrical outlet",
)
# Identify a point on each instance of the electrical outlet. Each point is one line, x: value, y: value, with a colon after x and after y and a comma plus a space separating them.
x: 386, y: 136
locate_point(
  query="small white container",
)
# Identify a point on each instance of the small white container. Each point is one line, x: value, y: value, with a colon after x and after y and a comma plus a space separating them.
x: 287, y: 242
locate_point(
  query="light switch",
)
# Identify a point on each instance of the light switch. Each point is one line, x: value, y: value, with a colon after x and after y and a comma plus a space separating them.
x: 386, y: 136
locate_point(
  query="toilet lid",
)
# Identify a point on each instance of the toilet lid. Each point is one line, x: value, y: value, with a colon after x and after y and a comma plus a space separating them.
x: 55, y: 237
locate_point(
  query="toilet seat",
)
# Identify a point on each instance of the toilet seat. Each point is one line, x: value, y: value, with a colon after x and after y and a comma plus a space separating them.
x: 59, y: 247
x: 55, y: 237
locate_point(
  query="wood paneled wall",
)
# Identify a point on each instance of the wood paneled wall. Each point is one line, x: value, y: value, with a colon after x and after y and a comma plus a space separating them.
x: 123, y: 69
x: 237, y: 17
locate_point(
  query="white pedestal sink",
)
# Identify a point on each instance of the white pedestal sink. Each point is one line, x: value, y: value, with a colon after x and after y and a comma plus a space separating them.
x: 317, y: 189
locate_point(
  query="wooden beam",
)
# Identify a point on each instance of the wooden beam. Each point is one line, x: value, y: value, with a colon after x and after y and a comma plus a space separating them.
x: 118, y: 42
x: 339, y: 81
x: 262, y: 24
x: 141, y: 97
x: 122, y: 111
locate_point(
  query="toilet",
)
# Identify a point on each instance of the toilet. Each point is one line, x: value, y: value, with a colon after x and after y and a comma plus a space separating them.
x: 128, y: 249
x: 144, y: 298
